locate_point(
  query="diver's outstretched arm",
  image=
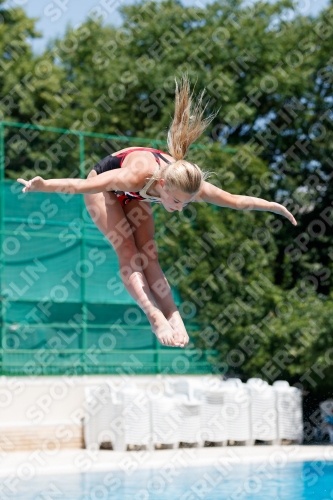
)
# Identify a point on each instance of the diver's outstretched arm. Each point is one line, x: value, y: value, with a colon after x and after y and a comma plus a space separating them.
x: 114, y: 180
x: 131, y: 177
x: 220, y: 198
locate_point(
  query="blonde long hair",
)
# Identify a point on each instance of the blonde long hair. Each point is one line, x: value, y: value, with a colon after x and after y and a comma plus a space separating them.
x: 188, y: 122
x: 187, y: 125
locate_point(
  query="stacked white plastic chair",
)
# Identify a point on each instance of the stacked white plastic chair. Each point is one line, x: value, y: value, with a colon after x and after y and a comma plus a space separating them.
x: 103, y: 422
x: 97, y: 415
x: 191, y: 388
x: 326, y: 410
x: 190, y: 411
x: 137, y: 417
x: 190, y: 415
x: 289, y: 411
x: 115, y: 420
x: 187, y: 396
x: 90, y: 431
x: 237, y: 411
x: 213, y: 418
x: 263, y: 411
x: 165, y: 417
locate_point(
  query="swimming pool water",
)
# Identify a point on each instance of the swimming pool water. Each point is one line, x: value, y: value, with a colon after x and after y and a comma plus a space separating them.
x: 257, y: 481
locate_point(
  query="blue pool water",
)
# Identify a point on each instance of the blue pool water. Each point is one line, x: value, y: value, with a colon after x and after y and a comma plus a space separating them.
x: 264, y: 481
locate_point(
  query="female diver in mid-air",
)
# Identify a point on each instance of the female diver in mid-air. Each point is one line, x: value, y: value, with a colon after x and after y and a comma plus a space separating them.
x: 114, y: 190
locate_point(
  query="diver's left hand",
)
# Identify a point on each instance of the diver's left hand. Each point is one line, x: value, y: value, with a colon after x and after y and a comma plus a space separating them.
x: 281, y: 210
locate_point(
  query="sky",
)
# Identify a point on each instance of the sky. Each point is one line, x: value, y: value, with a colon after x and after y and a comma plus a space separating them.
x: 54, y: 15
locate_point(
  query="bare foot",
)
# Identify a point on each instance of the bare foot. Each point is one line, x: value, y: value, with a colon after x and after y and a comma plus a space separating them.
x: 163, y: 331
x: 178, y: 326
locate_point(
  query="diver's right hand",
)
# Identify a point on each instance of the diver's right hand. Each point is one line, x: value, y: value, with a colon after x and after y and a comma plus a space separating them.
x: 35, y: 184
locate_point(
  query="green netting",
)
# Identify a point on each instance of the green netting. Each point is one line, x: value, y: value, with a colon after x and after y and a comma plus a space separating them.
x: 119, y: 362
x: 64, y: 309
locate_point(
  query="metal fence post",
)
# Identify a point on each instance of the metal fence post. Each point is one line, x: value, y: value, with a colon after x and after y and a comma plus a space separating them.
x: 83, y: 256
x: 2, y: 256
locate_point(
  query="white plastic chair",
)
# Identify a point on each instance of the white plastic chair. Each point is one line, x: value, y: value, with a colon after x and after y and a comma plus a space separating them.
x: 263, y: 411
x: 189, y: 411
x: 187, y: 393
x: 237, y: 411
x: 165, y: 421
x: 189, y: 387
x: 137, y: 417
x: 116, y: 420
x: 98, y: 413
x: 213, y: 420
x: 326, y: 410
x: 289, y: 411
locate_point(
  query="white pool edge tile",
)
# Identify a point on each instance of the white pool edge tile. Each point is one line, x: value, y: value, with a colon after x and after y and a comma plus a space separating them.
x: 30, y: 464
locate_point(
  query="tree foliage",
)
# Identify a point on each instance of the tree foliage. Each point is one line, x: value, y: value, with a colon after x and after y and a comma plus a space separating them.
x: 268, y: 70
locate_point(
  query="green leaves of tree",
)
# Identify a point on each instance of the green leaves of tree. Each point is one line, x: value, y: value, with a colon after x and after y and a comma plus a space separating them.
x: 268, y: 69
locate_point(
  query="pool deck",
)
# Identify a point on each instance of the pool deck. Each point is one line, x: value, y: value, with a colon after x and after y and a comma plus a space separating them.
x: 24, y: 465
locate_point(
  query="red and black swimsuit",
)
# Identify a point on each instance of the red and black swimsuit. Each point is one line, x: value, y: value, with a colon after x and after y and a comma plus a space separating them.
x: 113, y: 162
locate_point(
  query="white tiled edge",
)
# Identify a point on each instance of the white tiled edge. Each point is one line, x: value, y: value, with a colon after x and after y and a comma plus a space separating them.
x: 77, y: 461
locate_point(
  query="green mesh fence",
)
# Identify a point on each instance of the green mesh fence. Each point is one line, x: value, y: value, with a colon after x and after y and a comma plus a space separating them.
x: 64, y: 309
